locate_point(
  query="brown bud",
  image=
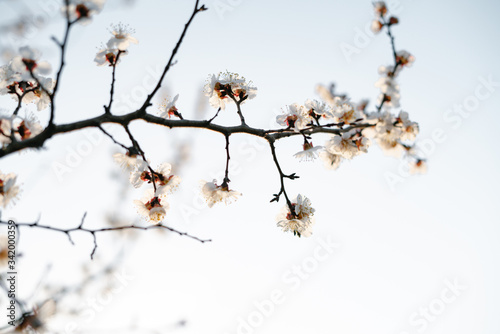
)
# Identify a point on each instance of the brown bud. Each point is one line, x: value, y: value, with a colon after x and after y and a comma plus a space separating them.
x: 393, y: 20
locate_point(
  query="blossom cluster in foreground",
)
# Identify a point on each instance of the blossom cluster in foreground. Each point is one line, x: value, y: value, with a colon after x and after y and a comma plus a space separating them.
x: 23, y: 78
x: 153, y: 205
x: 351, y: 127
x: 300, y: 219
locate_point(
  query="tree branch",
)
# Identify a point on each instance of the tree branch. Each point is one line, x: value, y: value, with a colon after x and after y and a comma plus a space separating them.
x: 93, y: 232
x: 107, y: 109
x: 282, y: 179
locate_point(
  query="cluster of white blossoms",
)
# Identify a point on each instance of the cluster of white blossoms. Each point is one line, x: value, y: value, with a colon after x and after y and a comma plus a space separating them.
x: 395, y: 134
x: 23, y: 77
x: 153, y: 205
x: 21, y: 128
x: 214, y: 193
x: 117, y: 45
x: 389, y: 88
x: 345, y: 146
x: 380, y: 17
x: 299, y: 219
x: 83, y: 10
x: 309, y: 152
x: 8, y: 188
x: 165, y: 182
x: 226, y: 86
x: 336, y: 109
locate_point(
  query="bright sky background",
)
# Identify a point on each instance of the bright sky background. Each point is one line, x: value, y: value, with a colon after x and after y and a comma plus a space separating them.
x: 398, y: 247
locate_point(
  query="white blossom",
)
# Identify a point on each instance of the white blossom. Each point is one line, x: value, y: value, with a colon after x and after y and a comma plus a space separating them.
x: 346, y: 113
x: 409, y: 129
x: 39, y: 96
x: 109, y: 56
x: 121, y: 37
x: 8, y: 77
x: 348, y: 145
x: 315, y: 107
x: 169, y: 109
x: 152, y: 207
x: 376, y: 26
x: 129, y: 161
x: 219, y: 88
x: 380, y: 8
x: 418, y: 166
x: 404, y: 58
x: 325, y: 94
x: 27, y: 61
x: 296, y: 116
x: 214, y: 194
x: 308, y: 153
x: 331, y: 160
x: 5, y: 131
x: 164, y: 181
x: 28, y: 127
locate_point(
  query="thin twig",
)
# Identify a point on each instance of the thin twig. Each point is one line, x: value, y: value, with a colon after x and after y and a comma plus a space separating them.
x: 228, y: 157
x: 394, y: 54
x: 170, y: 62
x: 143, y: 155
x: 93, y: 232
x: 62, y: 45
x: 107, y: 109
x: 282, y: 179
x: 238, y: 107
x: 110, y: 136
